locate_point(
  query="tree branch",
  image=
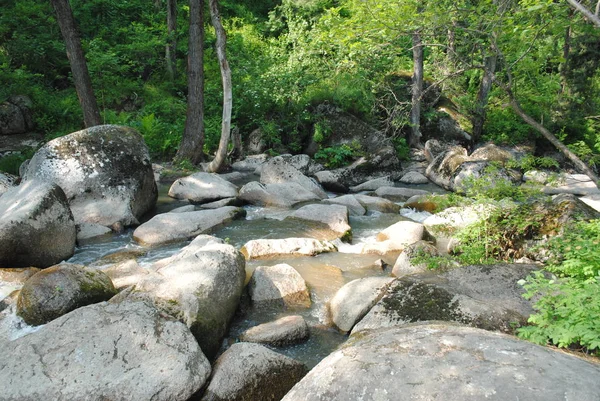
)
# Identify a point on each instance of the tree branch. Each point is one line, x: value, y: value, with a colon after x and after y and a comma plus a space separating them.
x: 593, y: 18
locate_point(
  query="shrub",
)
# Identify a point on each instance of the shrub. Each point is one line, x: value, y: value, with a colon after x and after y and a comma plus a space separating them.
x: 338, y: 156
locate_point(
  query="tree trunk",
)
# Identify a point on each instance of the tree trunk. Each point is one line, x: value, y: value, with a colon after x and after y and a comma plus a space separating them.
x: 192, y: 142
x: 593, y: 18
x: 417, y: 91
x: 217, y: 162
x: 584, y: 168
x: 171, y: 48
x: 81, y: 76
x: 483, y: 96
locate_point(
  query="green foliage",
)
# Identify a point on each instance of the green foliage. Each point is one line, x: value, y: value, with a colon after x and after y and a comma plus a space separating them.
x: 10, y: 164
x: 338, y: 156
x: 402, y: 148
x: 496, y: 184
x: 322, y: 131
x: 530, y: 162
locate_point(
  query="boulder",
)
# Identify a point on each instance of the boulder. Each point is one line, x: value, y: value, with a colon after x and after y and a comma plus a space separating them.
x: 331, y: 181
x: 173, y: 227
x: 87, y: 231
x: 222, y: 203
x: 250, y: 163
x: 202, y: 188
x: 280, y: 284
x: 352, y: 302
x: 452, y: 219
x: 373, y: 185
x: 333, y: 217
x: 396, y: 194
x: 491, y: 153
x: 285, y: 331
x: 265, y: 248
x: 278, y: 171
x: 486, y: 296
x: 125, y: 274
x: 476, y: 170
x: 252, y: 372
x: 405, y: 263
x: 285, y: 194
x: 36, y: 226
x: 396, y: 238
x: 376, y: 204
x: 444, y: 164
x: 201, y: 286
x: 354, y: 207
x: 107, y: 351
x: 12, y: 119
x: 414, y: 177
x: 59, y: 289
x: 183, y: 209
x: 576, y: 184
x: 446, y: 362
x: 105, y: 171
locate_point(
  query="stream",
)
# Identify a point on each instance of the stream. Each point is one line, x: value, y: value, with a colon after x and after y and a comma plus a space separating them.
x: 324, y: 274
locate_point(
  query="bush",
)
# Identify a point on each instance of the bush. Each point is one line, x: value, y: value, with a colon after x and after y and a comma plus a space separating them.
x: 338, y: 156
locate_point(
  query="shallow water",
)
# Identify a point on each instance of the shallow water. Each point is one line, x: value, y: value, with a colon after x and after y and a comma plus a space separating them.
x: 324, y: 274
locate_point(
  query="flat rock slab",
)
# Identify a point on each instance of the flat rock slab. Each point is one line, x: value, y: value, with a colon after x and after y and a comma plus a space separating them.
x: 106, y: 351
x: 284, y: 194
x: 267, y: 248
x: 281, y: 332
x: 202, y: 188
x: 396, y: 194
x: 354, y: 206
x: 376, y: 204
x: 446, y: 363
x: 354, y: 300
x: 414, y: 177
x: 334, y: 217
x: 485, y: 296
x: 372, y: 185
x: 576, y: 184
x: 252, y: 372
x: 172, y: 227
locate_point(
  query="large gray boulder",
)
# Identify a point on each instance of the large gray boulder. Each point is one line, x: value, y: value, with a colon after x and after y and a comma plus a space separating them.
x: 278, y: 170
x: 373, y: 184
x: 173, y: 227
x: 15, y: 116
x: 485, y: 296
x: 376, y: 204
x: 281, y: 332
x: 284, y: 194
x: 105, y: 171
x: 107, y: 351
x: 60, y: 289
x: 395, y: 238
x: 397, y: 194
x: 334, y: 218
x: 202, y: 188
x: 201, y: 286
x: 354, y: 300
x: 36, y: 226
x: 252, y: 372
x: 446, y: 362
x: 354, y: 206
x: 267, y: 248
x: 405, y: 263
x: 280, y: 284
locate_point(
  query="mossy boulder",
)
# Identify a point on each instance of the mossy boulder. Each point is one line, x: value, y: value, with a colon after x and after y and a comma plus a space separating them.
x: 105, y: 171
x: 60, y: 289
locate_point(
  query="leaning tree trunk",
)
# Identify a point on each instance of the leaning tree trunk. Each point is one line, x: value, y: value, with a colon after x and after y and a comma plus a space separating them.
x: 584, y: 168
x: 81, y: 76
x: 171, y: 47
x: 414, y: 139
x: 483, y: 96
x: 217, y: 162
x: 192, y: 142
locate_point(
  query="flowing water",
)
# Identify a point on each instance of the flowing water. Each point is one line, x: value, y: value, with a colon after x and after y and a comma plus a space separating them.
x: 324, y: 274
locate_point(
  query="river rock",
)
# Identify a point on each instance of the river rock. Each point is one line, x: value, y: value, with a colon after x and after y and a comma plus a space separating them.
x: 265, y: 248
x: 285, y: 331
x: 12, y: 119
x: 277, y: 171
x: 404, y: 264
x: 352, y: 302
x: 414, y: 177
x: 201, y: 286
x: 486, y: 296
x: 202, y: 188
x: 354, y: 207
x: 477, y: 170
x: 173, y: 227
x: 17, y: 275
x: 222, y: 203
x: 373, y: 185
x: 446, y: 362
x: 331, y: 181
x: 183, y: 209
x: 60, y: 289
x: 87, y: 231
x: 250, y: 163
x: 396, y: 238
x: 396, y: 194
x: 376, y: 204
x: 105, y: 171
x: 36, y: 226
x: 443, y: 166
x: 106, y: 351
x: 125, y: 274
x: 576, y: 184
x: 492, y: 153
x: 252, y: 372
x: 285, y: 194
x: 334, y: 217
x: 279, y: 284
x: 451, y: 220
